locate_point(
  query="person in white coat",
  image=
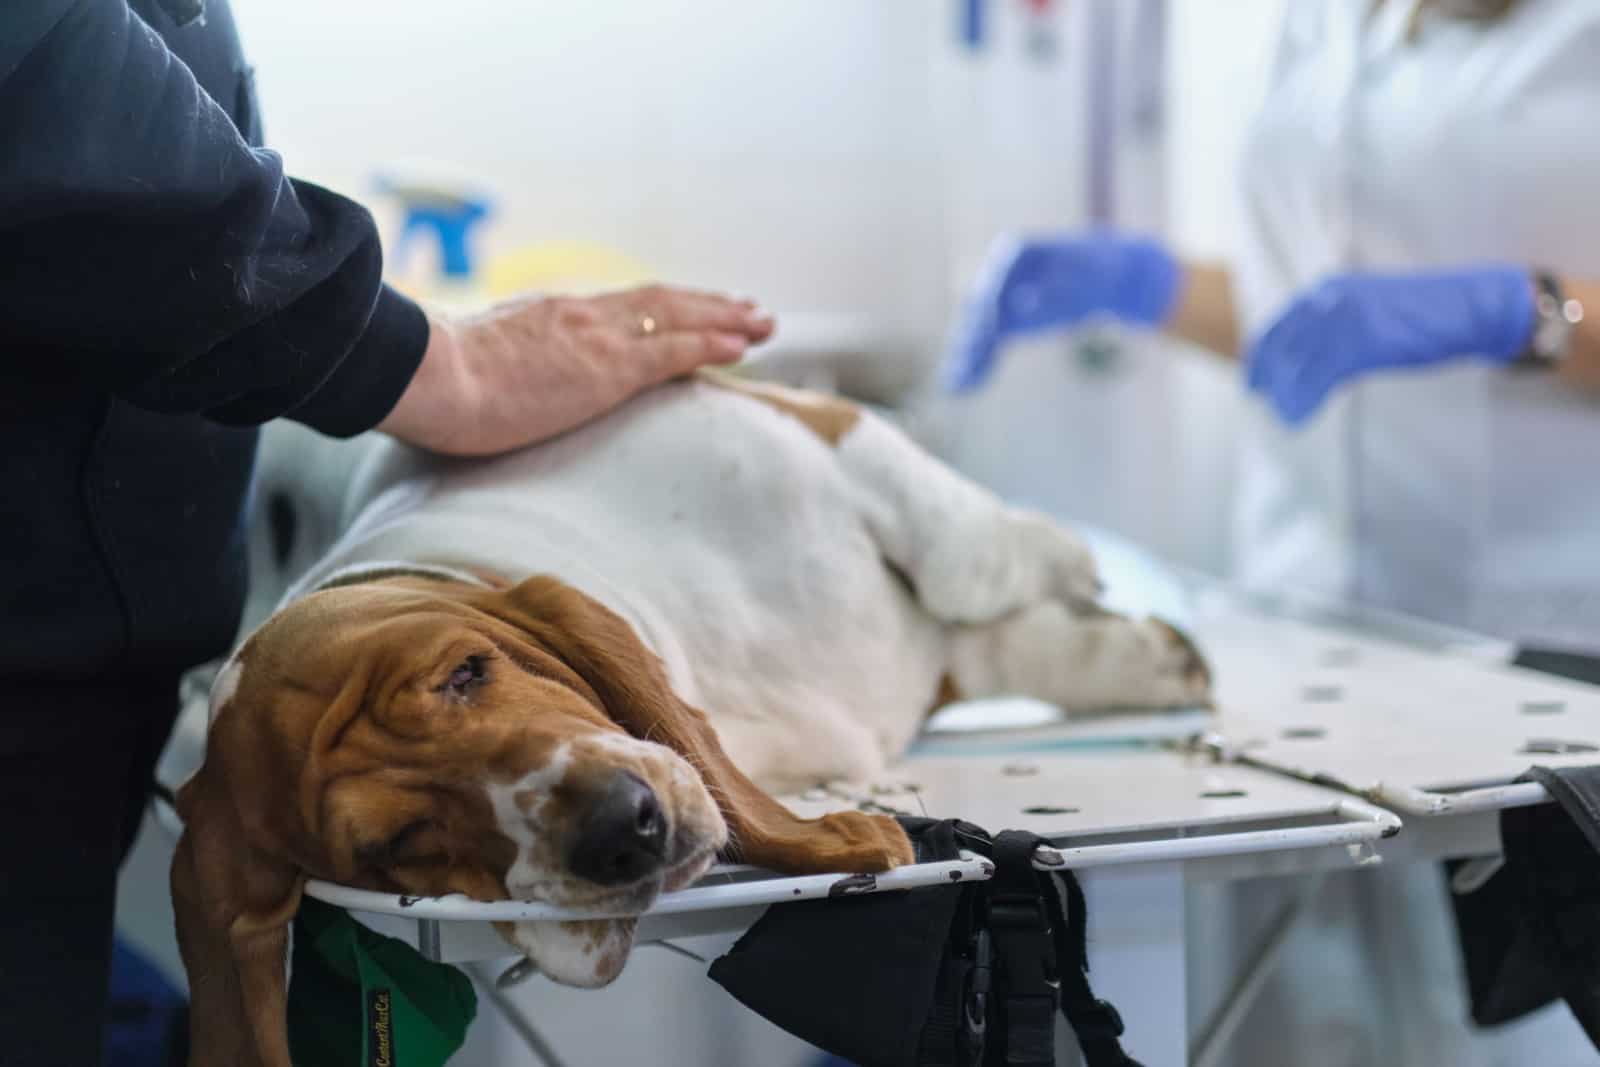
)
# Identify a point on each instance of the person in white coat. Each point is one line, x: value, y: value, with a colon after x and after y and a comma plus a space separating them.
x: 1421, y: 231
x: 1406, y: 295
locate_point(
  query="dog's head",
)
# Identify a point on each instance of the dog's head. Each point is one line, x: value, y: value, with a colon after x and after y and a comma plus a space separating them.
x: 422, y: 736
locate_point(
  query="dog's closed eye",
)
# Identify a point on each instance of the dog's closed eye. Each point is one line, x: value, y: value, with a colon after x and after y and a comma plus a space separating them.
x: 465, y: 677
x: 395, y: 849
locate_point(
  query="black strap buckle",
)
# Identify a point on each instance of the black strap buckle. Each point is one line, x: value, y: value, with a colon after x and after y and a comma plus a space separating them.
x: 1021, y: 931
x: 971, y: 837
x: 1100, y: 1021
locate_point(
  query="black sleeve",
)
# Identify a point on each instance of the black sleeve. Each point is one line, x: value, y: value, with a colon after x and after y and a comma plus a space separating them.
x: 147, y: 250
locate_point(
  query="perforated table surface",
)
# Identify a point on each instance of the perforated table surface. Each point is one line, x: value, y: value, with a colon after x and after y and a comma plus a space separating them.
x: 1421, y: 718
x: 1416, y: 727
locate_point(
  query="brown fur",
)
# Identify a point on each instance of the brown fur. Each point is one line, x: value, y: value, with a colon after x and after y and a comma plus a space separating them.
x: 337, y: 740
x: 1196, y: 670
x: 829, y: 417
x: 947, y: 693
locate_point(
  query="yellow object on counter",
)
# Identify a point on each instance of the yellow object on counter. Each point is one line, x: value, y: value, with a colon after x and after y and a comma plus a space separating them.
x: 548, y: 267
x: 562, y: 266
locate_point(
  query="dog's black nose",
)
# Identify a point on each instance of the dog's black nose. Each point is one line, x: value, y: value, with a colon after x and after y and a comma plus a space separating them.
x: 624, y: 835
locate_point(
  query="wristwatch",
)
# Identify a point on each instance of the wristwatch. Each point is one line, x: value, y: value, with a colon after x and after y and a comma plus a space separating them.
x: 1554, y: 316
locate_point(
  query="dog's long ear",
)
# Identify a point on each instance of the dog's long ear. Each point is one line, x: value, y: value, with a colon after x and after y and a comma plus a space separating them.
x: 632, y: 686
x: 233, y: 905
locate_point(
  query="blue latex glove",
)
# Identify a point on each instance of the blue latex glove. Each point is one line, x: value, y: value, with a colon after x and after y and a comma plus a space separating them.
x: 1353, y: 324
x: 1029, y: 286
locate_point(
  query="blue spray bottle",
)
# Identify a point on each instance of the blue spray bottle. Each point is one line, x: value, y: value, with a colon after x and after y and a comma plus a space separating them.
x: 446, y: 216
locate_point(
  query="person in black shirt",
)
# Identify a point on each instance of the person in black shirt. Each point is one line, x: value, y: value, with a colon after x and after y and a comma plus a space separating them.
x: 164, y: 290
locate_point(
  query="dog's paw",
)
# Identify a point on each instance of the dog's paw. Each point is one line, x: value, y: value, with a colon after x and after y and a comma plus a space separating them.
x: 1164, y: 668
x: 1083, y: 661
x: 1185, y: 664
x: 864, y: 844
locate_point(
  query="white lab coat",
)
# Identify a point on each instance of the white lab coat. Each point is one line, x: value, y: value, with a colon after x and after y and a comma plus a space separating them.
x: 1465, y: 494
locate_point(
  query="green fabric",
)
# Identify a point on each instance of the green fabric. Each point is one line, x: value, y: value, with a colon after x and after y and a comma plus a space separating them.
x: 360, y: 999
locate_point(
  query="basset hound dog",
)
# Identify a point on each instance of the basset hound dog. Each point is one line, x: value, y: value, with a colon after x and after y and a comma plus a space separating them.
x: 570, y: 674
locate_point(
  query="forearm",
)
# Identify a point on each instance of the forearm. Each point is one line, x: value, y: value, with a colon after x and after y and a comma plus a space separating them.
x: 154, y: 254
x: 1581, y: 367
x: 1204, y: 314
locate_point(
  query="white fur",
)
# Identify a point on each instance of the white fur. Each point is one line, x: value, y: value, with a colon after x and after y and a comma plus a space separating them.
x: 356, y: 571
x: 584, y: 954
x: 224, y: 686
x: 1078, y: 663
x: 533, y: 871
x: 971, y: 558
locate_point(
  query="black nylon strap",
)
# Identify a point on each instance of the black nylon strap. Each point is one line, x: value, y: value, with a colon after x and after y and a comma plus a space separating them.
x: 940, y: 1044
x: 1025, y: 953
x: 1034, y: 926
x: 1577, y: 791
x: 1031, y: 1031
x: 1095, y: 1022
x: 1553, y: 856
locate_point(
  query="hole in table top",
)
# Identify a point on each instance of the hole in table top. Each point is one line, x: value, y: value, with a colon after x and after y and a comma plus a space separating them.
x: 1019, y: 770
x: 1548, y: 746
x: 1049, y: 809
x: 1223, y: 794
x: 1322, y: 694
x: 1543, y: 707
x: 1304, y: 733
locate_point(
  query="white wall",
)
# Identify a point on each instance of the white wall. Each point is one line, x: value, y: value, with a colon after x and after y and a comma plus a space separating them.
x: 783, y: 149
x: 831, y: 155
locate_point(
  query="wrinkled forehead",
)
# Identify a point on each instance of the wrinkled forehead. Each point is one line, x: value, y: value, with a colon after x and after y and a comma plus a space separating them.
x: 314, y: 642
x: 395, y: 613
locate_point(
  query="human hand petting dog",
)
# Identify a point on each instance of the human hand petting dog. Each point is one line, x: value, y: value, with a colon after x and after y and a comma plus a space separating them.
x: 530, y: 369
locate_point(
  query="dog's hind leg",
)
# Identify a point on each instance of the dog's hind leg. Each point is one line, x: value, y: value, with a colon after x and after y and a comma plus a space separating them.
x: 1017, y: 591
x: 968, y: 556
